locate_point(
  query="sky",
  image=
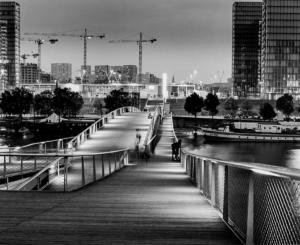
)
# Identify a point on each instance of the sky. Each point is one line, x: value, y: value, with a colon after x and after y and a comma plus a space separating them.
x: 193, y: 35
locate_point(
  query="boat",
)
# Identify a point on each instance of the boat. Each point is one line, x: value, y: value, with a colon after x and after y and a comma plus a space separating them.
x: 263, y: 133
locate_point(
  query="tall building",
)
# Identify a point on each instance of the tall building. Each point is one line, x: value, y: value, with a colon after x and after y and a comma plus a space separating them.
x: 280, y: 57
x: 246, y: 48
x: 129, y: 73
x: 102, y: 73
x: 62, y: 72
x: 29, y: 73
x: 10, y: 43
x: 3, y: 55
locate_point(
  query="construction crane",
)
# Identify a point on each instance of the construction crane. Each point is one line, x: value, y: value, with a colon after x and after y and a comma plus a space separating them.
x: 85, y: 36
x: 140, y: 42
x: 25, y: 56
x: 39, y: 42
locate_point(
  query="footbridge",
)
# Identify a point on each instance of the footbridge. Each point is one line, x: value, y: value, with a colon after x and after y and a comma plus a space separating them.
x: 96, y: 189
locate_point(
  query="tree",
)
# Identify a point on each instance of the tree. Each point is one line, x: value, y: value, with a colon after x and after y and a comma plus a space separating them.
x: 18, y: 101
x: 98, y: 106
x: 193, y: 104
x: 43, y: 102
x: 117, y: 99
x: 285, y: 104
x: 246, y: 107
x: 75, y: 103
x: 65, y: 102
x: 210, y: 104
x: 267, y: 111
x: 231, y: 105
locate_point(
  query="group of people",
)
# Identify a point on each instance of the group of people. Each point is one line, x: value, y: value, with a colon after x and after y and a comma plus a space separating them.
x: 175, y: 150
x: 146, y: 154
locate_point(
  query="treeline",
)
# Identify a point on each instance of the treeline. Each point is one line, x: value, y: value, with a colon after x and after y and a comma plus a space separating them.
x: 195, y: 103
x: 21, y: 101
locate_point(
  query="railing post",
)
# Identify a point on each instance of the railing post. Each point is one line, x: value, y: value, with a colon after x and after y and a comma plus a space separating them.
x: 35, y: 163
x: 213, y: 184
x: 82, y: 171
x: 58, y: 145
x: 65, y: 173
x: 94, y: 168
x: 225, y: 202
x: 9, y: 158
x: 102, y: 166
x: 4, y: 166
x: 109, y: 166
x: 250, y: 212
x: 115, y: 161
x: 22, y: 165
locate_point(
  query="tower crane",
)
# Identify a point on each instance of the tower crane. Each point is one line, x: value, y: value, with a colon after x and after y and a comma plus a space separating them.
x: 140, y: 42
x: 39, y: 42
x: 85, y: 36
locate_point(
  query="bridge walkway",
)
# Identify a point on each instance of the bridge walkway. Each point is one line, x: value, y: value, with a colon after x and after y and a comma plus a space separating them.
x: 119, y: 133
x: 148, y: 203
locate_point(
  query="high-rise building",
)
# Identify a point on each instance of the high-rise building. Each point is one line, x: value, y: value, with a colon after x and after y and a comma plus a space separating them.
x: 10, y: 43
x: 129, y: 73
x: 280, y: 57
x: 246, y: 48
x: 102, y: 73
x: 62, y: 72
x: 3, y: 55
x: 29, y: 73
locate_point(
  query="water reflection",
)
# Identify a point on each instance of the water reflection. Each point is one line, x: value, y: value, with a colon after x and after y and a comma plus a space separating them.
x: 279, y: 154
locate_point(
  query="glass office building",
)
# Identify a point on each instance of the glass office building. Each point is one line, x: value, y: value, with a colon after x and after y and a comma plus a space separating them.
x: 280, y: 57
x: 10, y: 30
x: 246, y: 48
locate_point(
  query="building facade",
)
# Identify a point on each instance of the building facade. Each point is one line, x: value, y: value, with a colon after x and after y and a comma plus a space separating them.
x: 246, y: 48
x: 29, y: 73
x: 280, y: 57
x: 61, y: 72
x: 10, y: 44
x: 129, y: 73
x: 101, y: 73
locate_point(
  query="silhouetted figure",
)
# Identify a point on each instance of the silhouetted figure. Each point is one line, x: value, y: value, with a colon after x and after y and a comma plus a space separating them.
x: 175, y: 150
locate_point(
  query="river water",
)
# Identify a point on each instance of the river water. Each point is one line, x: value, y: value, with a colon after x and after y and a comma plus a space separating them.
x: 280, y: 154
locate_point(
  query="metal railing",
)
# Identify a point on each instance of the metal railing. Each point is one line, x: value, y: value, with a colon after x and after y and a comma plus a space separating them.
x: 85, y: 134
x: 67, y: 172
x: 17, y: 162
x: 151, y: 138
x: 261, y: 203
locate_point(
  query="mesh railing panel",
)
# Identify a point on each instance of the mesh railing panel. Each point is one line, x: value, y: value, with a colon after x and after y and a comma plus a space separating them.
x: 219, y: 181
x: 238, y: 183
x: 277, y: 210
x: 207, y: 179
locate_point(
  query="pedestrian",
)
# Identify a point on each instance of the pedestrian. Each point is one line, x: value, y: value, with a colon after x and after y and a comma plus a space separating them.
x: 174, y: 146
x: 178, y: 146
x: 137, y: 143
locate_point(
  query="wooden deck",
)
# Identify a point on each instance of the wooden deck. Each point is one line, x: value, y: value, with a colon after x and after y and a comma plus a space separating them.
x: 152, y: 203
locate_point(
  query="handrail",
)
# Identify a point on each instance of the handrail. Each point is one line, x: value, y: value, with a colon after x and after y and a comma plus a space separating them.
x: 38, y: 143
x: 174, y: 134
x: 268, y: 169
x: 253, y: 199
x: 35, y: 179
x: 39, y: 173
x: 94, y: 125
x: 152, y: 125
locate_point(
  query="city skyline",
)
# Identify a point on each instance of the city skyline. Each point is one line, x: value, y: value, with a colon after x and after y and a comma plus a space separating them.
x: 194, y: 35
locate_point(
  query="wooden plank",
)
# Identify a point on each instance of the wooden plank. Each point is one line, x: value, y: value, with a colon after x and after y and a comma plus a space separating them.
x: 144, y: 204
